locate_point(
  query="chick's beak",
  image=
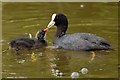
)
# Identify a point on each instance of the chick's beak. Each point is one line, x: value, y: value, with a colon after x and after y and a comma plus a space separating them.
x: 51, y: 23
x: 46, y: 29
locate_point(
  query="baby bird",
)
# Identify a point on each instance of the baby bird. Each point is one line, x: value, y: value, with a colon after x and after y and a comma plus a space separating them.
x: 26, y: 43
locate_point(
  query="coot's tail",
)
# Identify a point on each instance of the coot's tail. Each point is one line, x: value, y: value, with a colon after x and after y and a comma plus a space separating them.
x: 106, y: 46
x: 102, y: 46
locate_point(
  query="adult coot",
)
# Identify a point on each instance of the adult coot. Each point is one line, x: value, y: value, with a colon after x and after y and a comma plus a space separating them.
x: 76, y: 41
x: 29, y: 43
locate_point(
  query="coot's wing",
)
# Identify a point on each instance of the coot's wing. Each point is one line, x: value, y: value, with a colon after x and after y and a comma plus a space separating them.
x: 71, y: 41
x: 96, y: 41
x: 82, y: 41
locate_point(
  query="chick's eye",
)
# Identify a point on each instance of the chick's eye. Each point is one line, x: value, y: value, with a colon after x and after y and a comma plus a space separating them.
x: 41, y: 36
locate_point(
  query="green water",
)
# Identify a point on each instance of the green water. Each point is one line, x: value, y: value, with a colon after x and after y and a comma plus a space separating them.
x: 97, y: 18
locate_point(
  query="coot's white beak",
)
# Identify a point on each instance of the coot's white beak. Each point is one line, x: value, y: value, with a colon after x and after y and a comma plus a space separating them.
x: 51, y: 24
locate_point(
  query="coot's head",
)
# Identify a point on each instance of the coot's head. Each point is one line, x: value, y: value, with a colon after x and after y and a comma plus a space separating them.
x: 40, y: 35
x: 58, y: 20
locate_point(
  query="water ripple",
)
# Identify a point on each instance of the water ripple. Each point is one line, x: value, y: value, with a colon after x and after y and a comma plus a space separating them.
x: 27, y: 26
x: 20, y: 20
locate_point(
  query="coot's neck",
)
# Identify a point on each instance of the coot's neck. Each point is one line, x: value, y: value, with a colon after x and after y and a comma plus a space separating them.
x: 61, y: 30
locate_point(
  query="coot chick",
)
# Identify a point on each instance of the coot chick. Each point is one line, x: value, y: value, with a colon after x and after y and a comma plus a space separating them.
x: 26, y: 43
x: 76, y: 41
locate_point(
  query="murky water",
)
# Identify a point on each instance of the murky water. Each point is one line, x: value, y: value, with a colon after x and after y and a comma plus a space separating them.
x: 97, y: 18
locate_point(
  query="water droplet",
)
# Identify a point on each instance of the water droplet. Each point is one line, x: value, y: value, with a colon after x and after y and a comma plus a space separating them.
x: 81, y: 6
x: 75, y: 75
x: 40, y: 54
x: 57, y: 71
x: 61, y: 74
x: 22, y: 61
x: 53, y: 71
x: 84, y: 71
x: 53, y: 65
x: 100, y: 69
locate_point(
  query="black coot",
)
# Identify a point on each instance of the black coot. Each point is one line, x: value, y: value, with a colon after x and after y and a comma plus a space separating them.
x: 76, y: 41
x: 28, y: 43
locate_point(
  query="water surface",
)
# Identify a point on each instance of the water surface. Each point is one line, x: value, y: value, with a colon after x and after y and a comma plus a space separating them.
x: 97, y: 18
